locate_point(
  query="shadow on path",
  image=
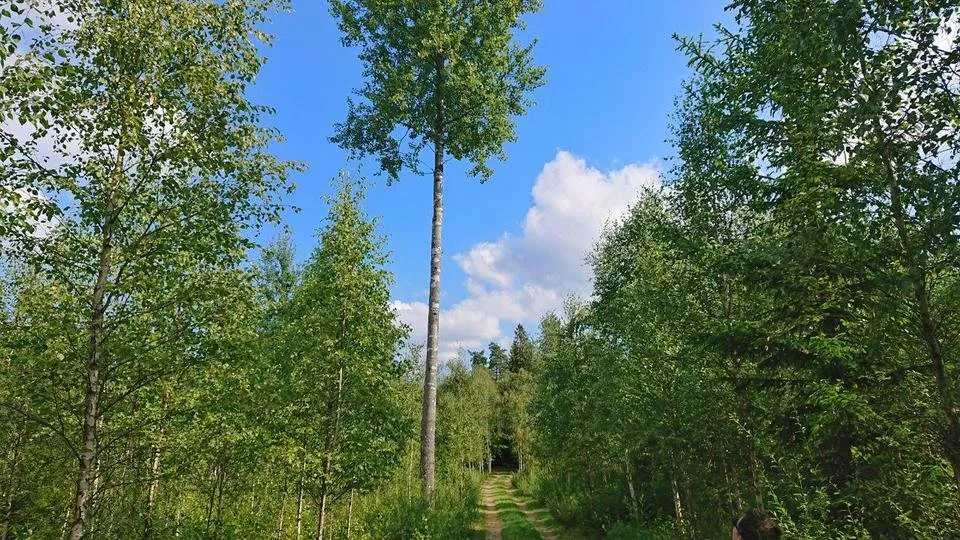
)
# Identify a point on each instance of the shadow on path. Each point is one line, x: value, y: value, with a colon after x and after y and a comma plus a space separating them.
x: 510, y: 516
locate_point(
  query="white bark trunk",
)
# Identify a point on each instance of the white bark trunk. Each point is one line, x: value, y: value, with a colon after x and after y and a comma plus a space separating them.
x: 86, y: 477
x: 303, y: 465
x: 678, y: 507
x: 350, y: 515
x: 428, y: 425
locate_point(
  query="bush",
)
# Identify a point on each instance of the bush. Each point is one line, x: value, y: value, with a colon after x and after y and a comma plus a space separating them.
x: 394, y: 514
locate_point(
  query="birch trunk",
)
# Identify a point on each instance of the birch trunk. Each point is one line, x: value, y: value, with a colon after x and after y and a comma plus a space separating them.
x: 283, y: 505
x: 216, y: 500
x: 223, y: 481
x: 633, y: 492
x: 303, y: 467
x: 331, y: 443
x: 155, y: 472
x: 86, y: 476
x: 11, y: 487
x: 928, y: 326
x: 66, y: 518
x: 321, y: 513
x: 428, y: 427
x: 678, y: 506
x: 350, y: 515
x: 153, y: 489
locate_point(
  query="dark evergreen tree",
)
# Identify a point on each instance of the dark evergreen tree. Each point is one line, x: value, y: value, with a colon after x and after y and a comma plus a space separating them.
x: 478, y: 359
x: 521, y: 351
x: 499, y: 360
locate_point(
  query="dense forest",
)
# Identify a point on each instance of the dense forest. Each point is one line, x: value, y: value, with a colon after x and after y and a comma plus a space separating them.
x: 776, y: 327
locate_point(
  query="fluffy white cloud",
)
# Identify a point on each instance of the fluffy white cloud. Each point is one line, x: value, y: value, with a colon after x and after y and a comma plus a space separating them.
x: 516, y: 279
x: 460, y: 327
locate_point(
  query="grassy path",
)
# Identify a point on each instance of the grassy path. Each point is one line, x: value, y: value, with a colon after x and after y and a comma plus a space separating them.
x: 492, y: 522
x: 510, y: 516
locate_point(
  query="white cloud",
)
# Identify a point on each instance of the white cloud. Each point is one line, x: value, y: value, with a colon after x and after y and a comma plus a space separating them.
x: 516, y: 279
x: 459, y: 327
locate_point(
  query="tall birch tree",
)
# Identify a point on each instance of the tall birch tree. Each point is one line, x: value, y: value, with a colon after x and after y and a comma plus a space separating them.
x: 128, y: 120
x: 443, y: 74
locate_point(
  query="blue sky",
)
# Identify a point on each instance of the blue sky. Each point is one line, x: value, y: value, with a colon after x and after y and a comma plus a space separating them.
x: 513, y: 246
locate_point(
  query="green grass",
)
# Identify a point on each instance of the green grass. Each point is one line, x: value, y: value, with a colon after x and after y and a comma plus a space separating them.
x: 515, y: 523
x: 545, y: 517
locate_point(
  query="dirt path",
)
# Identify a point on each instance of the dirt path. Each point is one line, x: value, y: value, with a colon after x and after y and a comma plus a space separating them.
x: 509, y: 515
x: 490, y: 510
x: 535, y: 519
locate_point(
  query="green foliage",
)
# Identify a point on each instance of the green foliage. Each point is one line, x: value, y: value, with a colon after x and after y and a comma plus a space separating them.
x: 467, y: 415
x: 478, y: 359
x: 391, y: 514
x: 766, y: 332
x: 777, y: 329
x: 338, y: 385
x: 299, y: 383
x: 499, y: 360
x: 440, y: 72
x: 521, y: 351
x: 136, y: 166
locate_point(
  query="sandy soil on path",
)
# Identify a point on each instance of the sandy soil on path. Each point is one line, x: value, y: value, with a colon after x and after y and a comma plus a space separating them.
x: 497, y: 487
x: 490, y: 510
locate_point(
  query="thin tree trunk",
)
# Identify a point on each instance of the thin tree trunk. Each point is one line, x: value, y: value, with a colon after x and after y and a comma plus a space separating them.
x: 222, y: 483
x: 153, y: 489
x: 331, y: 442
x: 303, y: 466
x: 627, y: 467
x: 213, y: 498
x: 91, y: 404
x: 155, y: 474
x: 216, y: 502
x: 677, y: 506
x: 486, y: 452
x: 97, y: 481
x: 928, y: 326
x: 692, y: 514
x: 66, y: 518
x: 283, y: 505
x: 350, y: 515
x: 428, y: 427
x: 321, y: 512
x: 930, y: 336
x: 11, y: 486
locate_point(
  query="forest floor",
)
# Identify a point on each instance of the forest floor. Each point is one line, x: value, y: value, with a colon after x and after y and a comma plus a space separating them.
x: 509, y: 515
